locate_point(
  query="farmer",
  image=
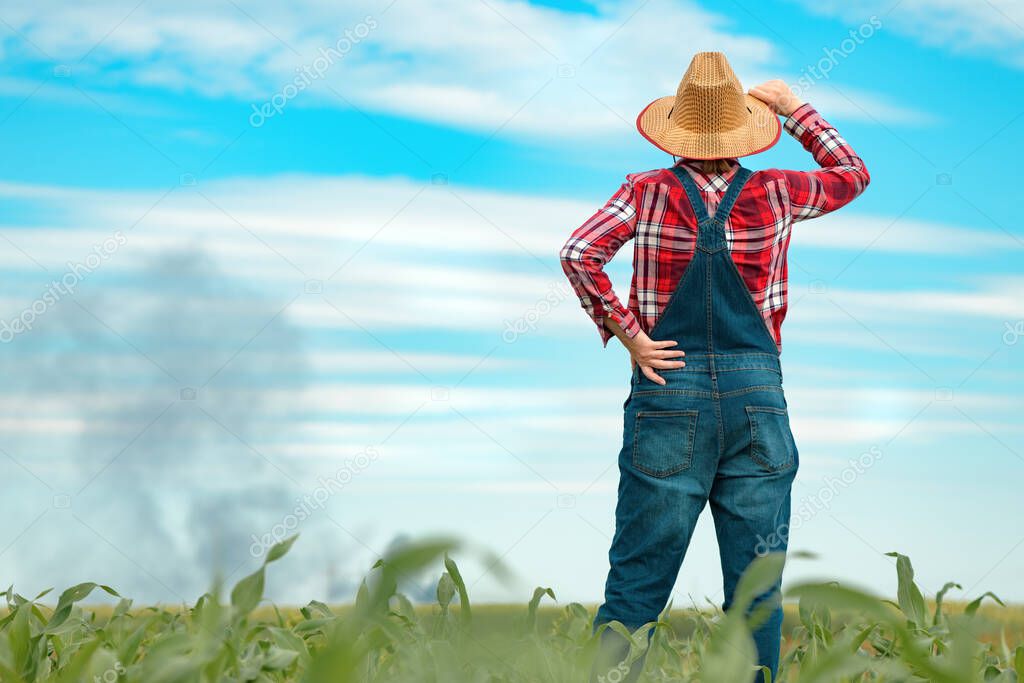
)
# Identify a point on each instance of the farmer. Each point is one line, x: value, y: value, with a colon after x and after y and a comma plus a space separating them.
x: 706, y: 419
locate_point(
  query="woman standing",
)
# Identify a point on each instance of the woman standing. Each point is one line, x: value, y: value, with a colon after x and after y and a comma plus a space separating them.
x: 706, y: 419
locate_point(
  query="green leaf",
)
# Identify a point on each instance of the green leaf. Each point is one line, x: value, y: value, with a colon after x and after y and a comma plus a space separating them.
x: 445, y: 591
x: 760, y: 577
x: 289, y: 640
x: 531, y: 609
x: 910, y: 599
x: 279, y: 550
x: 321, y: 608
x: 76, y: 668
x: 312, y: 625
x: 19, y: 637
x: 730, y: 655
x: 465, y: 614
x: 69, y: 597
x: 843, y: 598
x: 278, y: 659
x: 248, y: 592
x: 130, y: 645
x: 837, y: 663
x: 121, y: 609
x: 938, y: 599
x: 976, y: 603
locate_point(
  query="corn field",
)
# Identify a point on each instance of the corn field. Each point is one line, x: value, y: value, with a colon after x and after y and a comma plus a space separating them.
x: 842, y: 635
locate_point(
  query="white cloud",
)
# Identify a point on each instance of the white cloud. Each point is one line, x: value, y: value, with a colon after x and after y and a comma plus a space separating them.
x: 514, y: 420
x: 993, y: 303
x: 861, y: 105
x: 510, y: 65
x: 432, y: 264
x: 993, y: 28
x: 855, y: 232
x: 318, y: 221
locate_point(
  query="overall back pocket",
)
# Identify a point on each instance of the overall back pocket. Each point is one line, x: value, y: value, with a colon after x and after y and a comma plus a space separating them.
x: 771, y: 440
x: 663, y: 441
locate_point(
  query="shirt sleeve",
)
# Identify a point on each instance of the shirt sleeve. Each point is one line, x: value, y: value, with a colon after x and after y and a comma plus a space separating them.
x: 842, y: 176
x: 589, y: 248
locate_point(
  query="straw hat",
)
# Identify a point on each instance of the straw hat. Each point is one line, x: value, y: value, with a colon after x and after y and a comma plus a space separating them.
x: 709, y: 117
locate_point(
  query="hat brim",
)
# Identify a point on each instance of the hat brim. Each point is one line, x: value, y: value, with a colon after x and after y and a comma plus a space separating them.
x: 761, y: 131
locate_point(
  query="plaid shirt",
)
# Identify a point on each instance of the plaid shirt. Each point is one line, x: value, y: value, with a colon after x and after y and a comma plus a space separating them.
x: 651, y: 209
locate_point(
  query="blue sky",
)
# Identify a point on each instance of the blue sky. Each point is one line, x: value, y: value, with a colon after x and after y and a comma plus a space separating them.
x: 315, y: 308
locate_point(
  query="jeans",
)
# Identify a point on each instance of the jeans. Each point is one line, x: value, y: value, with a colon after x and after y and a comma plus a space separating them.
x: 694, y: 441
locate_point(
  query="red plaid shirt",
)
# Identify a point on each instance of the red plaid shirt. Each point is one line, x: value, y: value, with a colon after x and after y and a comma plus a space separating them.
x: 651, y: 209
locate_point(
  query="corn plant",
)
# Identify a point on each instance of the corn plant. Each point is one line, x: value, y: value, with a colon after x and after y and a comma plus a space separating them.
x: 842, y: 635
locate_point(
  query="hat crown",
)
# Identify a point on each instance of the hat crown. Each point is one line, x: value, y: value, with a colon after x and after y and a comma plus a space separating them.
x: 710, y: 98
x: 709, y: 117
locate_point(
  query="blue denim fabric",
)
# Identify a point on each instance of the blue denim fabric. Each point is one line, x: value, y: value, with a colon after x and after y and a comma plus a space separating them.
x: 718, y: 432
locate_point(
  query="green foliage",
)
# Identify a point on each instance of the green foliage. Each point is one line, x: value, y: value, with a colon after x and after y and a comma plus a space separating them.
x: 842, y: 635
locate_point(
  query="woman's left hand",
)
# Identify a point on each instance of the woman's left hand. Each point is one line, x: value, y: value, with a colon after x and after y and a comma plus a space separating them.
x: 653, y: 355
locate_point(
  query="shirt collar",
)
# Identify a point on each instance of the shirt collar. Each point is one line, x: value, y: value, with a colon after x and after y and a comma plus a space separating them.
x: 715, y: 182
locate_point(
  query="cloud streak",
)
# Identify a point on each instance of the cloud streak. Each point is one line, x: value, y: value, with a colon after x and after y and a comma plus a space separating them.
x: 992, y: 27
x: 512, y: 67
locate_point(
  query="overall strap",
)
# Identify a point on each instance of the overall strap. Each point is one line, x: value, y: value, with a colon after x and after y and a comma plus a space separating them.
x: 739, y: 179
x: 693, y: 194
x: 711, y: 231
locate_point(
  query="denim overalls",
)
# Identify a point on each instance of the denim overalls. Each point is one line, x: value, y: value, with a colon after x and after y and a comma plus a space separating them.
x: 718, y: 431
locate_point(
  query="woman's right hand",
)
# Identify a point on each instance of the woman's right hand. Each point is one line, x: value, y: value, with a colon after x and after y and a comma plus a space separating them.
x: 653, y: 355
